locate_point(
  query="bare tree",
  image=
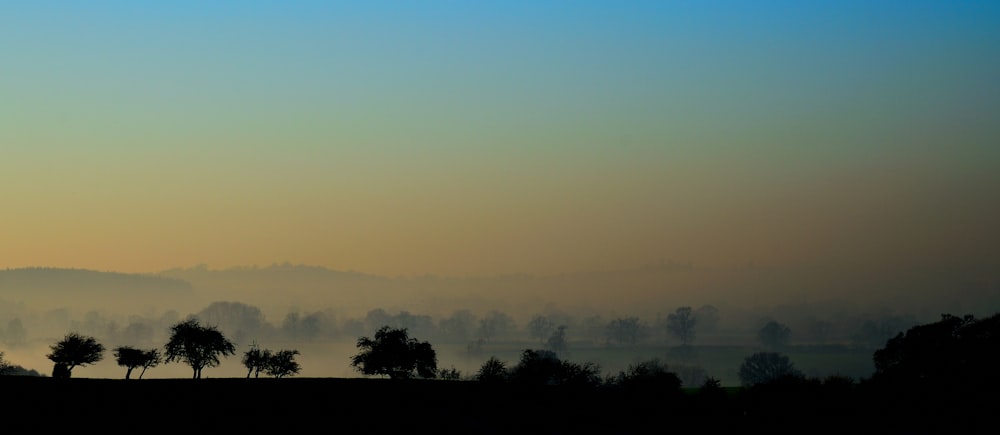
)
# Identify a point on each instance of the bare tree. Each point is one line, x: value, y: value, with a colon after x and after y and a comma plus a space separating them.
x: 681, y: 324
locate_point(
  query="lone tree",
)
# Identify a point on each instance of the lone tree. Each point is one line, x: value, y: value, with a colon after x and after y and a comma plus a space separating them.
x: 541, y: 327
x: 681, y: 323
x: 557, y: 341
x: 626, y: 330
x: 132, y: 358
x: 198, y: 346
x: 492, y: 371
x: 283, y: 363
x: 774, y: 335
x: 394, y: 354
x: 74, y: 350
x: 764, y: 367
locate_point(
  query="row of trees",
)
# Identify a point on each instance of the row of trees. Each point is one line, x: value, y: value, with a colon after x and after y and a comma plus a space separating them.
x: 192, y: 343
x: 394, y: 354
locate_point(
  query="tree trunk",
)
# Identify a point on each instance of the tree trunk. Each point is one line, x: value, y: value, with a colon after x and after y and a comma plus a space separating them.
x: 128, y: 372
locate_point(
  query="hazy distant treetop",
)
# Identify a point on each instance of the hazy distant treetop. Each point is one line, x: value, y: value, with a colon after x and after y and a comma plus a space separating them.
x: 774, y: 334
x: 681, y: 324
x: 626, y: 330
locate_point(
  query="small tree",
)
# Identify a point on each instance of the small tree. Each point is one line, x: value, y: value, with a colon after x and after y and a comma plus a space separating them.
x: 763, y: 367
x: 494, y: 324
x: 282, y: 364
x: 394, y: 354
x: 198, y: 346
x: 256, y: 360
x: 75, y: 350
x: 492, y: 371
x: 681, y: 324
x: 626, y: 330
x: 132, y: 358
x: 557, y: 341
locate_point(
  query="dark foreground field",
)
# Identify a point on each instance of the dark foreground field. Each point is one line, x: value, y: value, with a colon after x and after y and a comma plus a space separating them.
x: 331, y: 405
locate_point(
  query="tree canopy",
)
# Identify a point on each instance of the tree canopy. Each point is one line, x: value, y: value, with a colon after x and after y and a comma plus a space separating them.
x: 394, y: 354
x: 953, y: 351
x: 198, y: 346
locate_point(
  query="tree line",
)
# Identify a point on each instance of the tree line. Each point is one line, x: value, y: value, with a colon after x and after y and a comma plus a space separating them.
x: 199, y: 346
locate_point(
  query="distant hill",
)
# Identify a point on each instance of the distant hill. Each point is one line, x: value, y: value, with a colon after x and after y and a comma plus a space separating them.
x: 45, y: 287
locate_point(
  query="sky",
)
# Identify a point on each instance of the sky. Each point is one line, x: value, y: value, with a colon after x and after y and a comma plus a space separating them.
x: 482, y: 138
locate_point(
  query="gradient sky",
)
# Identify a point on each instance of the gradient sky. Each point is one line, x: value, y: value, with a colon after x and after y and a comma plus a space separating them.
x: 461, y: 138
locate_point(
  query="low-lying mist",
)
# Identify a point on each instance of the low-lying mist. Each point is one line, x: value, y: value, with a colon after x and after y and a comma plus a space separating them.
x: 611, y: 318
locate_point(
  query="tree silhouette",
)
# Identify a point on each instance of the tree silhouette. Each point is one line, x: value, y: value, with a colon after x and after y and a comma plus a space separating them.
x: 75, y: 350
x: 198, y: 346
x: 132, y: 358
x: 255, y: 360
x: 492, y: 371
x: 957, y: 351
x: 543, y: 367
x: 282, y: 363
x: 649, y: 378
x: 393, y: 353
x: 763, y: 367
